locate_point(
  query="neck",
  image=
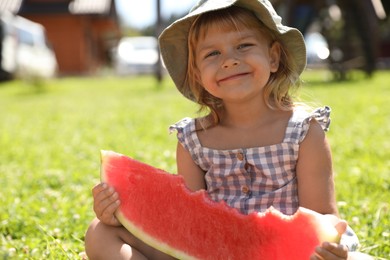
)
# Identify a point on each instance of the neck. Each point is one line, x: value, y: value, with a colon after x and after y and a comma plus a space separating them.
x: 245, y: 115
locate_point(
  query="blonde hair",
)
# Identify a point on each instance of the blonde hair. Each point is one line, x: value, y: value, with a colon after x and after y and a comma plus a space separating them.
x: 277, y: 92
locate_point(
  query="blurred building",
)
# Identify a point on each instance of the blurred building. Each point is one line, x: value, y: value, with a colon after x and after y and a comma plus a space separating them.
x: 81, y: 32
x: 24, y: 50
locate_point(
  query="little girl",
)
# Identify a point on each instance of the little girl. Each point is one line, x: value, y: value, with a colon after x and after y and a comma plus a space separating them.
x: 255, y: 148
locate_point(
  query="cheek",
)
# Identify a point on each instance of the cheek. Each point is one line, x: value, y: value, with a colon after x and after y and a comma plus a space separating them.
x: 206, y: 81
x: 202, y: 73
x: 196, y: 75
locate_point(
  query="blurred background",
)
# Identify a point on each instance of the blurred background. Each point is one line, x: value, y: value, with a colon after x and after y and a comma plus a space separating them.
x: 51, y: 38
x: 79, y: 76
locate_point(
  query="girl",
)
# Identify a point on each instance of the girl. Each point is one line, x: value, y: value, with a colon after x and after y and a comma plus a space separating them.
x: 256, y: 147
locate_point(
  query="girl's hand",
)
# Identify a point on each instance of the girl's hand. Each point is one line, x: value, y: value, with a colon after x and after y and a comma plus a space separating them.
x: 332, y: 251
x: 105, y: 203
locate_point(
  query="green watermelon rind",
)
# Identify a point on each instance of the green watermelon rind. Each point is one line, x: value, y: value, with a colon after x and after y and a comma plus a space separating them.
x: 146, y: 238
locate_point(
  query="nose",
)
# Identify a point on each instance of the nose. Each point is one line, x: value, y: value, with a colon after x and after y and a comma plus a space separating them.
x: 230, y: 61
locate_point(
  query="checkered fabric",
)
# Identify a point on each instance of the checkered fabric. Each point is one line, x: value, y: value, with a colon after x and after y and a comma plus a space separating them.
x: 253, y: 179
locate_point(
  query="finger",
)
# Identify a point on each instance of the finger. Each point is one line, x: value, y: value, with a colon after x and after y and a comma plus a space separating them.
x: 103, y: 192
x: 314, y: 257
x: 336, y: 249
x: 99, y: 188
x: 109, y: 200
x: 341, y: 227
x: 332, y: 251
x: 108, y: 216
x: 104, y: 199
x: 324, y: 254
x: 108, y: 212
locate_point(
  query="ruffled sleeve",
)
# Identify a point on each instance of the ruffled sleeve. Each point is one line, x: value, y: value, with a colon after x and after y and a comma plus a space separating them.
x: 184, y: 132
x: 321, y: 115
x: 178, y: 126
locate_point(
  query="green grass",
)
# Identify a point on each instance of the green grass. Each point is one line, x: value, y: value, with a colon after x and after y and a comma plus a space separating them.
x: 50, y: 137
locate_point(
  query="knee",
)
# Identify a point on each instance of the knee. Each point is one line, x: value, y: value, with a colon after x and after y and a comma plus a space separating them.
x: 110, y: 242
x: 94, y: 239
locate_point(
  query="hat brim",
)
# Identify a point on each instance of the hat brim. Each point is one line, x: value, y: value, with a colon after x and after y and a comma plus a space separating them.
x: 173, y: 40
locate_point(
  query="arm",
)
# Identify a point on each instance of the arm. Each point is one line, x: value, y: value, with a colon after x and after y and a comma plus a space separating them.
x: 186, y: 167
x: 315, y: 173
x: 316, y: 186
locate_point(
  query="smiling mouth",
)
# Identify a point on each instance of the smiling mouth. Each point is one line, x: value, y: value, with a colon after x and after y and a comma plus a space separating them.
x: 232, y: 77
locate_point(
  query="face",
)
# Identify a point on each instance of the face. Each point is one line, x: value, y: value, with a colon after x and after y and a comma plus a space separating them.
x: 235, y: 65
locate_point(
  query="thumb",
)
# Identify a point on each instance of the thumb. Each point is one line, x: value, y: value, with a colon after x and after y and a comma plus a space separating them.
x: 341, y: 226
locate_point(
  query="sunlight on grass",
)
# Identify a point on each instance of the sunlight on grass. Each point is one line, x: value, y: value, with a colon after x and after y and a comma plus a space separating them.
x: 51, y: 139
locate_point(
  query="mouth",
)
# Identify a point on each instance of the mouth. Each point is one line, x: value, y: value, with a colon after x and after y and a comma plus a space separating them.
x: 233, y: 77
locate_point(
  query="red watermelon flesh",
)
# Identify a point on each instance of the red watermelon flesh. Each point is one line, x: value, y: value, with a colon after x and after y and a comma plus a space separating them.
x: 158, y: 208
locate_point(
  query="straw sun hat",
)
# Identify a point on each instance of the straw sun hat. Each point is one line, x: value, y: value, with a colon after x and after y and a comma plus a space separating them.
x: 174, y: 39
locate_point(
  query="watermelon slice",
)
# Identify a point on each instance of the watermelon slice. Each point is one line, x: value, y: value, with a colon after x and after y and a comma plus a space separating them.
x: 158, y: 208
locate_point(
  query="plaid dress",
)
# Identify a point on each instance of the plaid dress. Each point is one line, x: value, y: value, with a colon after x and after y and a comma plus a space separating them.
x: 253, y: 179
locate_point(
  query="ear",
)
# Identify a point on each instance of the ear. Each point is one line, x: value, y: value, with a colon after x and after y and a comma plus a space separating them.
x: 274, y: 56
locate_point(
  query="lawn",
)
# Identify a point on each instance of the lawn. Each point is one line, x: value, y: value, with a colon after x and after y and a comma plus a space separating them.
x: 51, y: 134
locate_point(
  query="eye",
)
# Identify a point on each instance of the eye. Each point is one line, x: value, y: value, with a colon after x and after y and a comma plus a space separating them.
x: 211, y: 54
x: 244, y: 46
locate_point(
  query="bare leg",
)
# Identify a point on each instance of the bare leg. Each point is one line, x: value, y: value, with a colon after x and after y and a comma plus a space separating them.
x: 110, y: 242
